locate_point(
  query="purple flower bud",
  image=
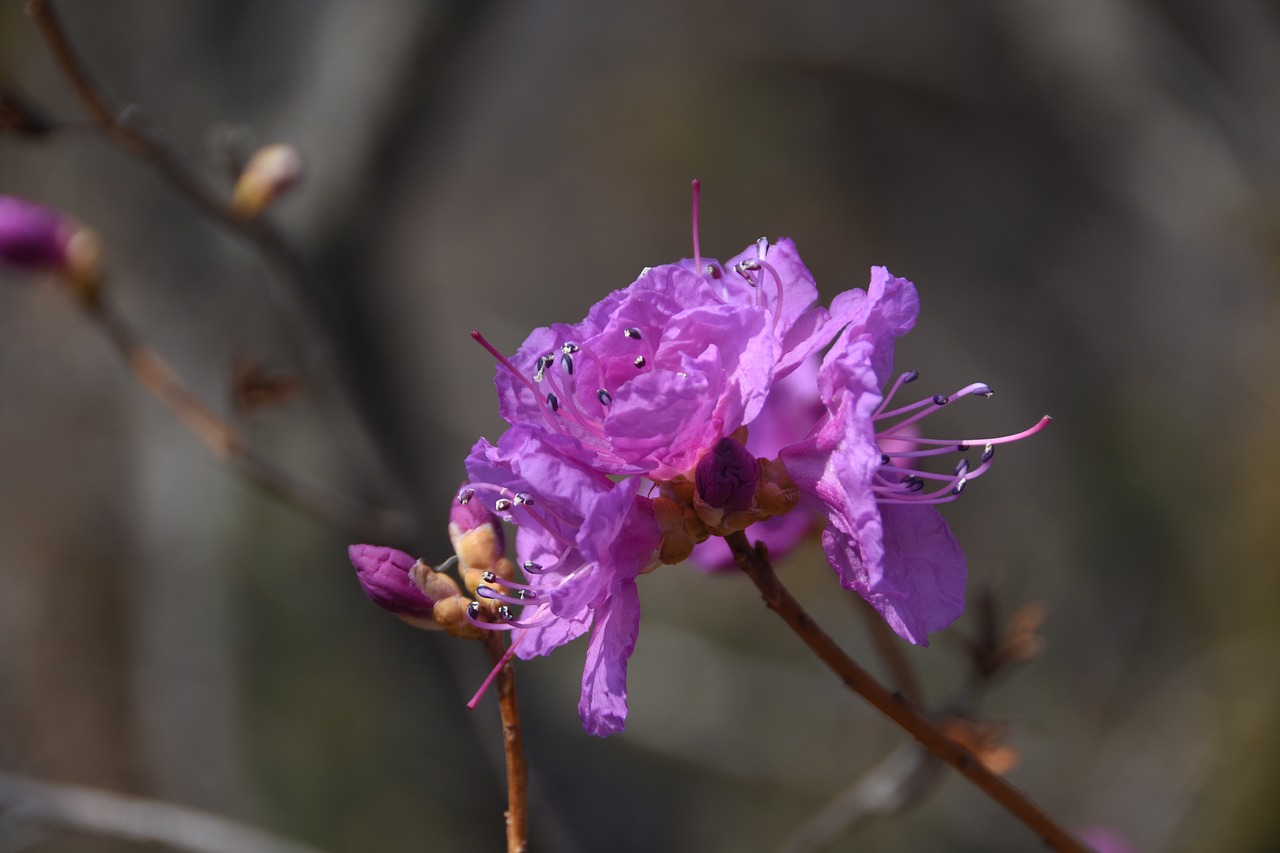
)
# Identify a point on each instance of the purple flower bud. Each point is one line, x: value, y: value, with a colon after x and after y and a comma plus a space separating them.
x: 31, y: 236
x: 726, y: 476
x: 384, y: 576
x: 476, y: 533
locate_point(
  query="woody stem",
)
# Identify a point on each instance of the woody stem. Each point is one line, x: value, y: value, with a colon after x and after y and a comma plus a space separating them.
x: 513, y: 744
x: 755, y: 563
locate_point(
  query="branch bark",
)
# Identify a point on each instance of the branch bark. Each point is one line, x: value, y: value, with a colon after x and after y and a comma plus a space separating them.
x: 755, y: 563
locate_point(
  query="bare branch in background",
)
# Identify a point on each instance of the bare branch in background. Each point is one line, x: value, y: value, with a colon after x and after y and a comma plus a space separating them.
x: 133, y: 818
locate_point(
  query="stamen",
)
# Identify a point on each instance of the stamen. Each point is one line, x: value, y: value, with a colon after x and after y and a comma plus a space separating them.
x: 523, y: 499
x: 632, y: 333
x: 604, y: 397
x: 554, y: 402
x: 937, y: 401
x: 530, y: 567
x: 466, y: 495
x: 502, y: 505
x: 567, y: 361
x: 640, y: 362
x: 909, y: 376
x: 491, y: 594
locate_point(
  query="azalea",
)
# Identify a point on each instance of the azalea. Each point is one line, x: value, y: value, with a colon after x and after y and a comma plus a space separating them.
x: 883, y: 535
x: 582, y: 540
x: 695, y: 403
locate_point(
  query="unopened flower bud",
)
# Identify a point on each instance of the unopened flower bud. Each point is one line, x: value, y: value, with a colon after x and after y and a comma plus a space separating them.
x: 34, y: 237
x: 269, y: 174
x: 726, y: 476
x: 384, y: 576
x: 476, y: 534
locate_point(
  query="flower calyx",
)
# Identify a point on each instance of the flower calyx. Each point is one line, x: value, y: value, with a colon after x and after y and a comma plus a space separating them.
x: 727, y: 491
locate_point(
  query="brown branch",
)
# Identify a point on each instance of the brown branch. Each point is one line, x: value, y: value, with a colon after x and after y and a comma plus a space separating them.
x: 517, y: 814
x: 134, y: 819
x: 133, y: 136
x: 226, y: 442
x: 755, y: 563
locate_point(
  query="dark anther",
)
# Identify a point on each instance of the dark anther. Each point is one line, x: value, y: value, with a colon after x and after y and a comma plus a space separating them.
x: 554, y: 402
x: 526, y: 593
x: 941, y: 399
x: 465, y: 495
x: 640, y: 362
x: 524, y: 499
x: 504, y: 613
x: 604, y: 397
x: 962, y: 467
x: 502, y: 505
x: 959, y: 487
x: 488, y: 577
x: 713, y: 271
x: 568, y: 349
x: 962, y: 447
x: 531, y: 566
x: 985, y: 392
x: 988, y: 452
x: 750, y: 264
x: 567, y: 361
x: 473, y: 609
x: 910, y: 376
x: 884, y: 458
x: 632, y: 332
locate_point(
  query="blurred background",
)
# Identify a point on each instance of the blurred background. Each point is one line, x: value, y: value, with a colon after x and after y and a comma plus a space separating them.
x: 1085, y: 194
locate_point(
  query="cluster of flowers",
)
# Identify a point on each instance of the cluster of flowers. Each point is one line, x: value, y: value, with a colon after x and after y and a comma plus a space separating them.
x: 694, y: 403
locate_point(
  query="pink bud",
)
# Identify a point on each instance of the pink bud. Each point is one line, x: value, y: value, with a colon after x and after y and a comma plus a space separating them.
x: 384, y: 576
x: 726, y: 476
x: 32, y: 236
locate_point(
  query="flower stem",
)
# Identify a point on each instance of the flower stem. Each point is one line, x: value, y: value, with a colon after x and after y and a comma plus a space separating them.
x: 513, y: 744
x: 755, y: 563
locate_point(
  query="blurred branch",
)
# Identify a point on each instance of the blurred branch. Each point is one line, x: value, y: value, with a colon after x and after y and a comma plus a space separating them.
x: 754, y: 562
x: 128, y: 131
x: 133, y: 818
x: 897, y: 782
x: 226, y: 442
x: 513, y: 744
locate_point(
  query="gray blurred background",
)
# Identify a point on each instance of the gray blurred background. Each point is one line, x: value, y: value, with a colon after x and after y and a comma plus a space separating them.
x: 1085, y: 193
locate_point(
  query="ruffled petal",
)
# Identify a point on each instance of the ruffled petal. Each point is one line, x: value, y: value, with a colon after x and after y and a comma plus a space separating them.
x: 603, y: 706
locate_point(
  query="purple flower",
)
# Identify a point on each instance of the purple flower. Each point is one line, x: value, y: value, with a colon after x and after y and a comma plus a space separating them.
x: 581, y: 541
x: 32, y: 236
x: 883, y: 536
x: 659, y: 372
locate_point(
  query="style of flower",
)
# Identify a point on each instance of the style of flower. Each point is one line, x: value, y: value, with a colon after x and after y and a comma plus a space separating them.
x: 581, y: 542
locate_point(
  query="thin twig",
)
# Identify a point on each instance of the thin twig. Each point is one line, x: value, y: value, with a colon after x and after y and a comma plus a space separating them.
x: 279, y: 255
x: 226, y: 442
x: 513, y: 743
x: 755, y: 563
x: 134, y: 818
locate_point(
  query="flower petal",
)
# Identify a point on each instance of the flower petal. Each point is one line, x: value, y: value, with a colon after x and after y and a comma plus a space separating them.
x: 603, y: 706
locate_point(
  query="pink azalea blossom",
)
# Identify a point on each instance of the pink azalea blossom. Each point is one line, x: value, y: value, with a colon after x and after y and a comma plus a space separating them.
x: 582, y: 540
x: 883, y: 536
x: 658, y: 372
